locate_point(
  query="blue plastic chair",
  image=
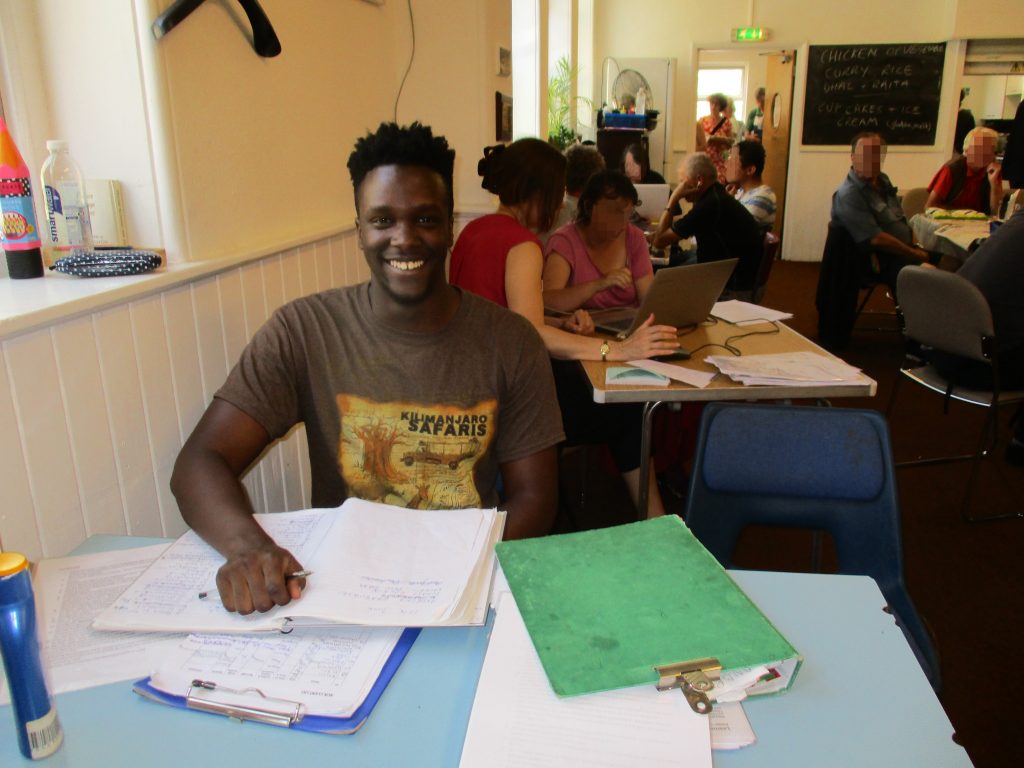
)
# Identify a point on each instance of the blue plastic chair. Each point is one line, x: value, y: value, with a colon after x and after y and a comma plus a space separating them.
x: 825, y: 469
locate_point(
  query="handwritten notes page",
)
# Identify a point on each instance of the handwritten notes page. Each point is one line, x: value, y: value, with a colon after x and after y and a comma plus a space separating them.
x: 373, y: 564
x: 330, y: 670
x: 70, y: 593
x: 518, y: 720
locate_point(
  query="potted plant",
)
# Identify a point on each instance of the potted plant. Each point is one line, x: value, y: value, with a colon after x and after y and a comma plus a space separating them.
x: 560, y: 102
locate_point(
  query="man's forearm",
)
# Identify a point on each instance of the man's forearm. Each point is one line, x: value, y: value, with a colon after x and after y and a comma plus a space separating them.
x: 887, y: 243
x: 214, y: 503
x: 531, y: 494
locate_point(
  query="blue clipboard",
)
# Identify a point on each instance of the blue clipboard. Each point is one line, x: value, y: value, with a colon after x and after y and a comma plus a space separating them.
x: 260, y: 712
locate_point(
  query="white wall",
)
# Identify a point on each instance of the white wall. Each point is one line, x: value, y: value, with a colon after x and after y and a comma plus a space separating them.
x: 680, y: 29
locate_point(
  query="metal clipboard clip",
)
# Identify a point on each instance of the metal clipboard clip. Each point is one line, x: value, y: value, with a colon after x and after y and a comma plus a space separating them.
x: 282, y: 712
x: 695, y: 678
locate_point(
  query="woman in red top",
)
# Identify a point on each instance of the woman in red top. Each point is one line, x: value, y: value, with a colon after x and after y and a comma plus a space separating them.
x: 499, y: 257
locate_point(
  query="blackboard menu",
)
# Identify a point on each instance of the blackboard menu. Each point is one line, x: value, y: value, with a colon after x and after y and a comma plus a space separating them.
x: 891, y: 88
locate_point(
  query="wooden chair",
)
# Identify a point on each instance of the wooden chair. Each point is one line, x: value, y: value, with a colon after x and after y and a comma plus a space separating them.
x: 914, y: 201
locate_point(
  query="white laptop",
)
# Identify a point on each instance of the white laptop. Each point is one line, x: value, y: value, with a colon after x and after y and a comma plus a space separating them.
x: 678, y: 296
x: 653, y: 198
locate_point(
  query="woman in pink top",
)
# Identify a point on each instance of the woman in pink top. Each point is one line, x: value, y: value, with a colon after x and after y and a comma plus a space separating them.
x: 500, y: 257
x: 600, y: 260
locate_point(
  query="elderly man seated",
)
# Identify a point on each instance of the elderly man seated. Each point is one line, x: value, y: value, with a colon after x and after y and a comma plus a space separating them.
x: 867, y: 207
x: 973, y: 180
x: 724, y: 229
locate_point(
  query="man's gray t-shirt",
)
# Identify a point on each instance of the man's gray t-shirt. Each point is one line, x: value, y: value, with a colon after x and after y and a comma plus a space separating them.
x: 406, y: 418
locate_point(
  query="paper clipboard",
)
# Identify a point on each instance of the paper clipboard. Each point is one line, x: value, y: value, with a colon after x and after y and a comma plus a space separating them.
x: 203, y: 697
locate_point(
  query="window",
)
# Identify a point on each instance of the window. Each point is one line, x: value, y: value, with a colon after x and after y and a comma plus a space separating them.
x: 730, y: 81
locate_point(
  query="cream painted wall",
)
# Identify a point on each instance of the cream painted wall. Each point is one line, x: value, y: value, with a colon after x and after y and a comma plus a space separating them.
x: 224, y: 153
x: 452, y: 84
x: 680, y: 29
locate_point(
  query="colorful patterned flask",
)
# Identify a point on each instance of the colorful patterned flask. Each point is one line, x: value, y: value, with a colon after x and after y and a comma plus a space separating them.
x: 19, y: 235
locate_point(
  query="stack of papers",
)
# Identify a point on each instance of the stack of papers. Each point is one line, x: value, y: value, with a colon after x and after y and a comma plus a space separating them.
x: 70, y: 593
x: 372, y: 564
x: 518, y: 720
x: 745, y: 313
x: 333, y: 670
x: 806, y: 368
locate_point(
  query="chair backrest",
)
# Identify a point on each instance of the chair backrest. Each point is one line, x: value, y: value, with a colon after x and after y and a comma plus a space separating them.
x: 818, y: 468
x: 914, y: 201
x: 802, y: 467
x: 769, y: 250
x: 945, y: 311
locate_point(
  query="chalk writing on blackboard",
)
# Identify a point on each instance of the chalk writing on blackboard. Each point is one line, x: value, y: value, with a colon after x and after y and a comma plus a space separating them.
x: 890, y: 88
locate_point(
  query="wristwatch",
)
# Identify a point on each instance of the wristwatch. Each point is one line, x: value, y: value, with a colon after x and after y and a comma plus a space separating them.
x: 605, y: 349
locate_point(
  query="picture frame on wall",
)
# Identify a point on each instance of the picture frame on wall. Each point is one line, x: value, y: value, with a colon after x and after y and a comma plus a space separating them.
x: 502, y: 117
x: 504, y: 62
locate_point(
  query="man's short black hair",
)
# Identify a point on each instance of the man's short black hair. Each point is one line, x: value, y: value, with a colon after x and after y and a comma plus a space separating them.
x: 866, y: 135
x: 751, y: 154
x: 394, y: 144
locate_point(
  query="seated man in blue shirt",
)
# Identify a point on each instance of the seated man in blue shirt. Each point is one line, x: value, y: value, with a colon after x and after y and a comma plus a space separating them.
x: 867, y: 207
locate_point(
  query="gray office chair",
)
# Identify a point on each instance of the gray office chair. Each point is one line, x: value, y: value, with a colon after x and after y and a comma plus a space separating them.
x: 944, y: 311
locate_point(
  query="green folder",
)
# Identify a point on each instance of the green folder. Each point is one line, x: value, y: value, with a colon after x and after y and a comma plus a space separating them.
x: 604, y: 607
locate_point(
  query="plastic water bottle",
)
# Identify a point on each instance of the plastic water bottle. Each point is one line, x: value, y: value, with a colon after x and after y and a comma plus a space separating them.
x: 641, y: 101
x: 67, y: 210
x: 19, y: 235
x: 35, y: 715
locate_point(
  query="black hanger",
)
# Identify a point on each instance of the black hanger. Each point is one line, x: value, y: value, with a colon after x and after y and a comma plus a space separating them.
x: 264, y: 39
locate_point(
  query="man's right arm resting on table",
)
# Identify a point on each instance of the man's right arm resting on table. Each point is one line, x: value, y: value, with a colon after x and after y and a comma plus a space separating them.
x: 853, y: 213
x: 206, y: 483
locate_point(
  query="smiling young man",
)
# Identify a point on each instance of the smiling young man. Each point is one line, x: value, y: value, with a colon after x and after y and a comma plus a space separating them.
x: 411, y: 391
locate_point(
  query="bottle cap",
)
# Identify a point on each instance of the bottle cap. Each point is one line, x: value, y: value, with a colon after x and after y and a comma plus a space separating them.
x: 56, y: 145
x: 11, y: 563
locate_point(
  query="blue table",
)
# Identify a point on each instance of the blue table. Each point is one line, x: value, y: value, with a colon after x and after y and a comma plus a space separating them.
x: 860, y: 699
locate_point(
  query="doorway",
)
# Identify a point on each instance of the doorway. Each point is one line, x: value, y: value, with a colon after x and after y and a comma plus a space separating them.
x: 774, y: 71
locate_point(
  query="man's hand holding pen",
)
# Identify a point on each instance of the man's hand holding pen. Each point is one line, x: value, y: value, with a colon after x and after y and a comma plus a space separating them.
x: 258, y: 579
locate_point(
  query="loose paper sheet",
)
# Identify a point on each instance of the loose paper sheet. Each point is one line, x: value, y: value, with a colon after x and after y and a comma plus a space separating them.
x: 745, y: 313
x: 699, y: 379
x: 517, y: 720
x: 70, y: 593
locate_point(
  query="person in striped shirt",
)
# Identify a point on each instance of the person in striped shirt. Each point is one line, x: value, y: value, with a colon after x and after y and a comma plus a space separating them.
x: 743, y: 169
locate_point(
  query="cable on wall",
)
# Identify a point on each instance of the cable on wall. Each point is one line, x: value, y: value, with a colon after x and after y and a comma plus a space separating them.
x: 412, y: 56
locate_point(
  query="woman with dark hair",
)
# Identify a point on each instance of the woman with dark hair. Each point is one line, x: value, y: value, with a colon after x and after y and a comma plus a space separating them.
x: 714, y: 133
x: 637, y: 166
x: 499, y: 257
x: 600, y: 260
